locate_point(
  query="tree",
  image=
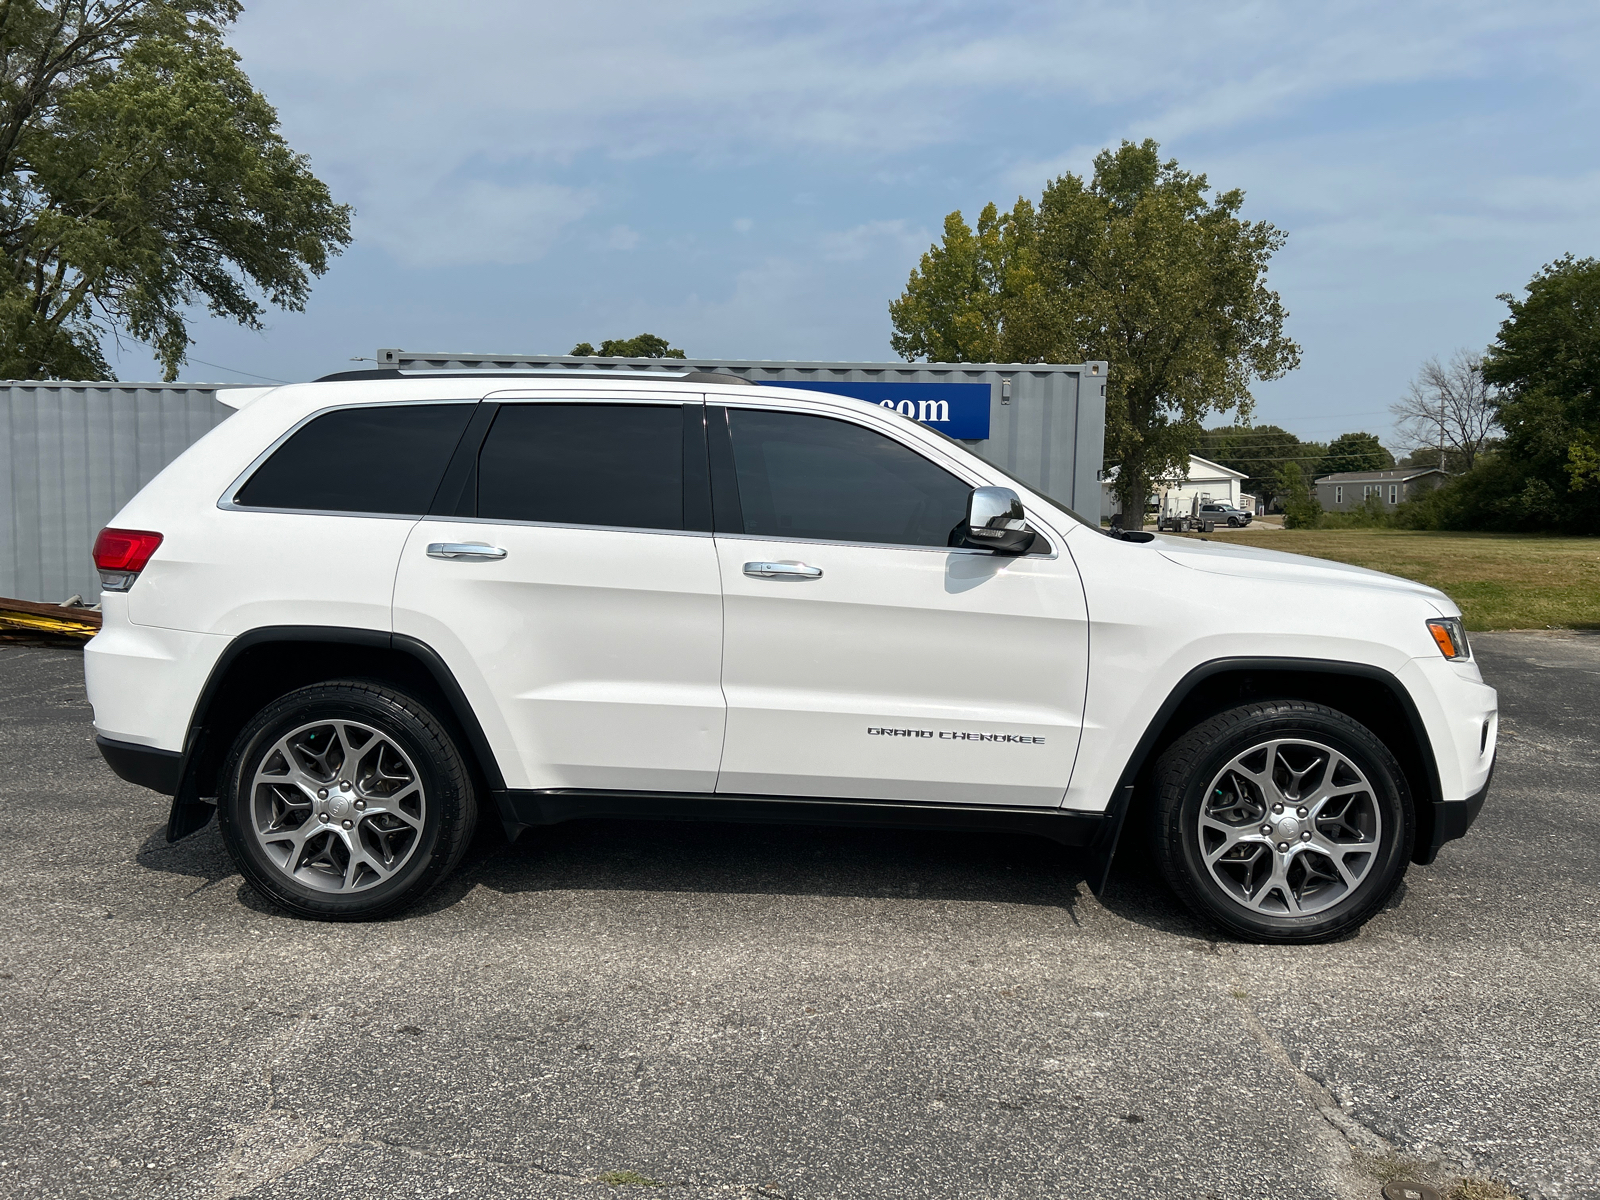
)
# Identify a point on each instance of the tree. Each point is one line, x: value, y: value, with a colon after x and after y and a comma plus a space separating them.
x: 1260, y: 451
x: 1355, y: 452
x: 1135, y: 266
x: 139, y: 173
x: 646, y: 345
x: 967, y: 301
x: 1449, y: 407
x: 1301, y: 509
x: 1546, y: 357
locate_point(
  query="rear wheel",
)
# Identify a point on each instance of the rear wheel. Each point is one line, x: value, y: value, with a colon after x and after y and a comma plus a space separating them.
x: 1282, y: 821
x: 346, y: 801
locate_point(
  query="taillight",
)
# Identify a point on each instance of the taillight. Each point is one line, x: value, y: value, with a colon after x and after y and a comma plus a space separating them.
x: 120, y: 554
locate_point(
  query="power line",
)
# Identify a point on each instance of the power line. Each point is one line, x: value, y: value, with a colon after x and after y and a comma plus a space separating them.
x: 237, y: 371
x: 204, y: 363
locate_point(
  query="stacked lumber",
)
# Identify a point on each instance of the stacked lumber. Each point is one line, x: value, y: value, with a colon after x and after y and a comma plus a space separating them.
x: 24, y: 619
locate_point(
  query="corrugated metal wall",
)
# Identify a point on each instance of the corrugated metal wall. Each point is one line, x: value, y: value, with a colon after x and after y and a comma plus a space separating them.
x: 74, y: 454
x: 1050, y: 432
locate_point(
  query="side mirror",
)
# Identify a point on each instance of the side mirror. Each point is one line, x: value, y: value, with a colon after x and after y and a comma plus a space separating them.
x: 994, y: 520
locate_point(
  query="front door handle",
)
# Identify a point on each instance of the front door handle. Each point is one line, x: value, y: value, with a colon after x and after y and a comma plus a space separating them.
x: 781, y: 570
x: 466, y: 551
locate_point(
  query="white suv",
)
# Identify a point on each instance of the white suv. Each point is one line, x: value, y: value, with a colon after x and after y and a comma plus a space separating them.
x: 362, y: 611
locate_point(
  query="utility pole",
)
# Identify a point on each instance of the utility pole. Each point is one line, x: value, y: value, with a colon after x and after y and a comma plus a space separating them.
x: 1441, y: 429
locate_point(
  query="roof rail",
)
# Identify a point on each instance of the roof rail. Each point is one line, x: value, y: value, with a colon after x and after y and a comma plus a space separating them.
x: 397, y: 373
x: 349, y: 376
x: 715, y: 377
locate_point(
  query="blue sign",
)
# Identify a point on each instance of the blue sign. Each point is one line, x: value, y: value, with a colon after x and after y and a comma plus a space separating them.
x: 960, y: 410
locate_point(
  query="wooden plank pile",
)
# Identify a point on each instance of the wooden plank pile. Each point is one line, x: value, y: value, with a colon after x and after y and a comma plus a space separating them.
x: 27, y: 621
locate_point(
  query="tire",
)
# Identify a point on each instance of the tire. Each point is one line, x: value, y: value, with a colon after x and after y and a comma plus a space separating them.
x: 1233, y: 522
x: 1326, y: 866
x: 396, y: 817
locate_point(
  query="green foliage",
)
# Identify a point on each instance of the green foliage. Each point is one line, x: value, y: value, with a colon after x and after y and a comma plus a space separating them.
x: 646, y: 345
x: 140, y: 173
x: 1301, y: 509
x: 969, y: 298
x: 1259, y: 451
x: 1583, y: 462
x: 1371, y: 513
x: 1136, y: 266
x: 1355, y: 452
x: 1546, y: 360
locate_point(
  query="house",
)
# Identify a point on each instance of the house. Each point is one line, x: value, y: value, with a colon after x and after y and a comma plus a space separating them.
x: 1346, y: 490
x: 1211, y: 482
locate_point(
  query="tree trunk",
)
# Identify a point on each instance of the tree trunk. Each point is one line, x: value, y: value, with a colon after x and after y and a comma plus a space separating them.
x: 1133, y: 486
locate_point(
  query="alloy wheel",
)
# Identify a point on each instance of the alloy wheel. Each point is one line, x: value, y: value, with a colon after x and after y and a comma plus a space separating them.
x: 1290, y: 827
x: 337, y: 806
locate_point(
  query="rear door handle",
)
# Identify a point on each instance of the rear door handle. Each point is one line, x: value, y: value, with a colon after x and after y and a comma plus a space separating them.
x: 466, y: 551
x: 781, y: 570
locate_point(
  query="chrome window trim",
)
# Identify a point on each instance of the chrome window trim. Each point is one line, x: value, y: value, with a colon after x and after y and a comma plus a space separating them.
x: 227, y: 503
x: 438, y: 518
x: 978, y: 550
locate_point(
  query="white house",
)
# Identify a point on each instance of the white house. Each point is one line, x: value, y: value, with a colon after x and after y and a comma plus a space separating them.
x: 1205, y: 480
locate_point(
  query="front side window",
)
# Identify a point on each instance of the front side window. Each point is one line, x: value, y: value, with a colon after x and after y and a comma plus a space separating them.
x: 804, y: 476
x: 1394, y: 493
x: 1338, y: 494
x: 584, y: 464
x: 373, y: 459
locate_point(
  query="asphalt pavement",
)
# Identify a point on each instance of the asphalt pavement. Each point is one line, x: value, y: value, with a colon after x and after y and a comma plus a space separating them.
x: 726, y: 1011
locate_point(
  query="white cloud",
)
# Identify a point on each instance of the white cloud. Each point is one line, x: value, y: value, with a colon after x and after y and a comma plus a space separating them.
x: 622, y: 238
x: 395, y: 100
x: 420, y: 80
x: 475, y: 222
x: 743, y: 225
x: 852, y: 245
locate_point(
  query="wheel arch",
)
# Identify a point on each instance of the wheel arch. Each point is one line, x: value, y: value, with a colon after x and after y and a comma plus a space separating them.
x: 258, y: 666
x: 1359, y: 690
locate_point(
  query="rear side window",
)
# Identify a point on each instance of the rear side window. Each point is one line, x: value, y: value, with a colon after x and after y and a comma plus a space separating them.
x: 815, y: 477
x: 584, y: 464
x: 373, y: 459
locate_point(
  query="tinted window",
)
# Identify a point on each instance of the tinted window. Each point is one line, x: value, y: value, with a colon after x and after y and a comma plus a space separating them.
x: 584, y: 464
x: 814, y: 477
x: 375, y: 459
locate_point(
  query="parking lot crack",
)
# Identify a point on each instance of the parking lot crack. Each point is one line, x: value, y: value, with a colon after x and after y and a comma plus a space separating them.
x: 1355, y: 1133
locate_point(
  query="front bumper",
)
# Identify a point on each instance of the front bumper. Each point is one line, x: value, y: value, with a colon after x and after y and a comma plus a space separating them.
x: 1452, y: 819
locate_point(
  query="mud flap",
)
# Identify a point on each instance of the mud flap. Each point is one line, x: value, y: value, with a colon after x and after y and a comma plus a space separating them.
x: 188, y: 816
x: 1097, y: 864
x: 189, y: 812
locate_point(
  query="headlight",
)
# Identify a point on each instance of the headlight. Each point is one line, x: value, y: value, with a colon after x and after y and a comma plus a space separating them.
x: 1451, y: 637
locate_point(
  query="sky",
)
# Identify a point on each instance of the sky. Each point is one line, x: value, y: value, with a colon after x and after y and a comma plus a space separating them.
x: 758, y: 180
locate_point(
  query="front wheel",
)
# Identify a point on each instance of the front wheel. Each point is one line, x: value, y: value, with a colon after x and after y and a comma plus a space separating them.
x: 1282, y: 821
x: 345, y: 801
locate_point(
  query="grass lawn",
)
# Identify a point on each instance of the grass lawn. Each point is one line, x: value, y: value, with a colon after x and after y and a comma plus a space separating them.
x: 1500, y: 580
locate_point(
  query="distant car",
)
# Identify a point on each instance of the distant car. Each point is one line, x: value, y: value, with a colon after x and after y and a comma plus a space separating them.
x: 1225, y: 514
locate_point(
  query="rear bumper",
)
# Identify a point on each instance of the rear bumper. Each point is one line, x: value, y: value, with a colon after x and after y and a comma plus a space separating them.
x: 1452, y: 819
x: 146, y: 766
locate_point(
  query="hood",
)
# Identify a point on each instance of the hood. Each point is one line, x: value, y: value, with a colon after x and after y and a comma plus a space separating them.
x: 1248, y: 562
